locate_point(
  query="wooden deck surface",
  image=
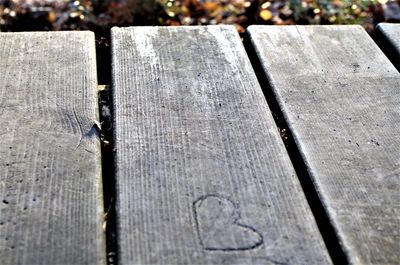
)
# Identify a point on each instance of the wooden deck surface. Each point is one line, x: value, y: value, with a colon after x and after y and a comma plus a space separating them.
x: 202, y: 174
x: 340, y: 96
x: 51, y: 207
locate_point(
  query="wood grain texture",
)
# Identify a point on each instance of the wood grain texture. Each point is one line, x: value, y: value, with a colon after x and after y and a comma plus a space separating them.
x: 390, y: 33
x: 202, y: 174
x: 50, y: 168
x: 340, y: 96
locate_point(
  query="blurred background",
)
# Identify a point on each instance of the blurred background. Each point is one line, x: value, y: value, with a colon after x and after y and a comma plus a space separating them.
x: 99, y: 16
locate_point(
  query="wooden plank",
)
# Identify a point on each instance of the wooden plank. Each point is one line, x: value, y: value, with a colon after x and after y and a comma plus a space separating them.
x: 51, y: 208
x: 390, y: 39
x: 202, y: 174
x: 340, y: 96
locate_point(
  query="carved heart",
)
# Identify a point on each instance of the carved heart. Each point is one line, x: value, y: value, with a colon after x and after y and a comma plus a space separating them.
x: 219, y: 228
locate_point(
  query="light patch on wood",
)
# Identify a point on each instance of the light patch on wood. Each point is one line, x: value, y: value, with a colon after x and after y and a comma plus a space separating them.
x: 143, y: 38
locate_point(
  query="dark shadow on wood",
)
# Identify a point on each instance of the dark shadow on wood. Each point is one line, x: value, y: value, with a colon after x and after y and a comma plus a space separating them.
x: 108, y: 169
x: 103, y: 56
x: 387, y: 47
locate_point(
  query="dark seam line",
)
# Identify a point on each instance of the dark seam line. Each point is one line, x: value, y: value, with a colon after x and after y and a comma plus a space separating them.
x: 103, y: 56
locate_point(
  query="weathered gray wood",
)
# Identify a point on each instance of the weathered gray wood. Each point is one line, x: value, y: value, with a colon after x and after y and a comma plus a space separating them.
x: 391, y: 41
x: 341, y: 98
x: 202, y: 174
x: 50, y: 174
